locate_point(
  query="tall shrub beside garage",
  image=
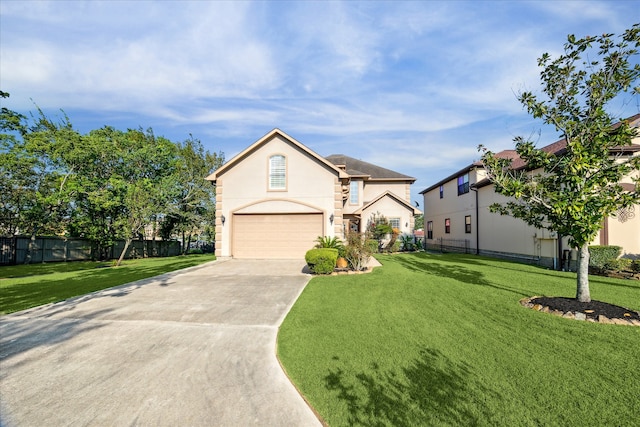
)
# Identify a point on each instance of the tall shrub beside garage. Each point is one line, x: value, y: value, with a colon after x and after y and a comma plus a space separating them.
x: 322, y: 260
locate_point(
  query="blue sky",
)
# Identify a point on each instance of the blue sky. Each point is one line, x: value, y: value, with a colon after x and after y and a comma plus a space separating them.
x: 411, y: 86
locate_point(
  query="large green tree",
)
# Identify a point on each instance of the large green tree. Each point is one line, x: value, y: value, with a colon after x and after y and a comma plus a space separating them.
x: 574, y: 191
x: 146, y: 180
x: 15, y: 176
x: 105, y: 185
x: 37, y: 180
x: 123, y: 181
x: 193, y: 210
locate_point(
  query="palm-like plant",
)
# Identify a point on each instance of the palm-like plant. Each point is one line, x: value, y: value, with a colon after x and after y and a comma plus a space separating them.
x: 332, y: 243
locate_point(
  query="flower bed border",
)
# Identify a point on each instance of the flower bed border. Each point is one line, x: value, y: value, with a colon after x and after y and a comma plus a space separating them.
x: 526, y: 302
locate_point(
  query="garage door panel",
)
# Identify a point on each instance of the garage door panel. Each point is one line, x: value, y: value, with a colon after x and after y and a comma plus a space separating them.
x: 275, y: 235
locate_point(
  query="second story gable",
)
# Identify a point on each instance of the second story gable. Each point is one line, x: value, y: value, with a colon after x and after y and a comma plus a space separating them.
x: 368, y: 181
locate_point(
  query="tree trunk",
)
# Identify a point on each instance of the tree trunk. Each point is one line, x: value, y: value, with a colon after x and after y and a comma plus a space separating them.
x: 188, y: 244
x: 124, y: 251
x: 582, y: 292
x: 30, y: 248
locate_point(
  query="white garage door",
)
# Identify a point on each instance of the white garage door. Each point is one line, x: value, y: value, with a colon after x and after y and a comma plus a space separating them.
x: 275, y: 236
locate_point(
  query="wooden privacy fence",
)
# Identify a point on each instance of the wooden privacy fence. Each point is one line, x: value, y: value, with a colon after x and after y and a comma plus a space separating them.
x: 15, y: 249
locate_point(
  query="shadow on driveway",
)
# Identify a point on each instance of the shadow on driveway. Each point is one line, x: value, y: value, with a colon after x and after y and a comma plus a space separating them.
x: 195, y: 347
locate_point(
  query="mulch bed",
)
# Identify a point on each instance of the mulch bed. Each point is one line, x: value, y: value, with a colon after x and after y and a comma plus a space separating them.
x: 594, y: 311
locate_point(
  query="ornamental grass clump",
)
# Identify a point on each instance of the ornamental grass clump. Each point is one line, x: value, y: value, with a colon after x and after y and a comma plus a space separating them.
x: 332, y: 243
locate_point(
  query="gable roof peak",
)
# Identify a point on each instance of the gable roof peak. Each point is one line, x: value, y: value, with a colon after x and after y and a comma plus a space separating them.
x: 264, y: 140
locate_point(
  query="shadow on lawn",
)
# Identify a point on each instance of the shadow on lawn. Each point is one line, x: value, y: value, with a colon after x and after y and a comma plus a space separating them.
x: 432, y: 390
x: 433, y: 264
x: 452, y: 269
x: 115, y: 281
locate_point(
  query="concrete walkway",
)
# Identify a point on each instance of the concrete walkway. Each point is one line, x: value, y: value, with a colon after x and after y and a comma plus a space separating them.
x: 190, y: 348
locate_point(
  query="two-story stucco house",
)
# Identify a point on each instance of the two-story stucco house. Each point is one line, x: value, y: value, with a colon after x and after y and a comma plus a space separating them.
x: 457, y: 218
x: 277, y: 196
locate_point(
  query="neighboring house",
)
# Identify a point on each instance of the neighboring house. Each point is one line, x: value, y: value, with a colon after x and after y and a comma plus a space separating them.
x: 457, y: 218
x: 277, y: 196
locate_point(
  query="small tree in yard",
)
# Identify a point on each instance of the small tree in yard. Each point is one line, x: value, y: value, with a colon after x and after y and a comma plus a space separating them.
x: 358, y: 250
x: 574, y: 191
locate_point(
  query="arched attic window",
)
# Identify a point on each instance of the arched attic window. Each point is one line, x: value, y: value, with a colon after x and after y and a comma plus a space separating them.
x: 277, y: 172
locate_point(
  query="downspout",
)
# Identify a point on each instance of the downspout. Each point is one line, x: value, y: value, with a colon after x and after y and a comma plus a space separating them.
x: 475, y: 190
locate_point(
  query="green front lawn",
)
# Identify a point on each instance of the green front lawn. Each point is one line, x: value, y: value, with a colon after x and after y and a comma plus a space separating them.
x: 26, y: 286
x: 442, y: 340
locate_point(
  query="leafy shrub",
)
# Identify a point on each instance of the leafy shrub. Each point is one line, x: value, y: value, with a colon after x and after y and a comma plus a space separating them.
x: 600, y: 255
x: 331, y: 243
x: 196, y: 251
x: 618, y: 264
x: 419, y: 244
x: 321, y: 260
x: 359, y: 250
x: 407, y: 243
x: 372, y: 245
x: 379, y: 226
x: 635, y: 265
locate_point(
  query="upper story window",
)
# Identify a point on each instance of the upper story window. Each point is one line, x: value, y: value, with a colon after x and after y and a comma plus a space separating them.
x: 441, y: 191
x: 277, y: 172
x: 353, y: 193
x: 463, y: 184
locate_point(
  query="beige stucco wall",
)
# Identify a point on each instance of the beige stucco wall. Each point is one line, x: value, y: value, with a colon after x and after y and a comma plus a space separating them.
x: 508, y: 235
x: 311, y: 187
x: 624, y: 229
x: 373, y: 189
x: 390, y: 208
x: 453, y: 207
x: 504, y: 235
x: 625, y: 234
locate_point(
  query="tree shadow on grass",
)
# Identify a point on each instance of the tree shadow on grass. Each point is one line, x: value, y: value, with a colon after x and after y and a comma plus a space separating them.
x: 451, y: 269
x: 91, y: 283
x: 634, y: 285
x: 431, y: 390
x: 482, y: 261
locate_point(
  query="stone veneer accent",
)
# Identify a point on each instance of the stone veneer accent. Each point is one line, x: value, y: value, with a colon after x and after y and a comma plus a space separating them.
x: 218, y: 247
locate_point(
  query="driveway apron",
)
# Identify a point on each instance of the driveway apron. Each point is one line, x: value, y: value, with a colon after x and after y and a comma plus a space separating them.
x: 191, y: 348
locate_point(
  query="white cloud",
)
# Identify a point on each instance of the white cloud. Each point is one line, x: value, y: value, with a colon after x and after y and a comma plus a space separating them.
x: 408, y: 85
x: 208, y: 53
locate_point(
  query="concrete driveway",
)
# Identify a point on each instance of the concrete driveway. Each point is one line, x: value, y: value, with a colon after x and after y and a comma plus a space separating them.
x: 189, y: 348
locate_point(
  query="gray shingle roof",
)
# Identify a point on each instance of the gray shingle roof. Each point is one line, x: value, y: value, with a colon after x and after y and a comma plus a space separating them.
x: 357, y: 167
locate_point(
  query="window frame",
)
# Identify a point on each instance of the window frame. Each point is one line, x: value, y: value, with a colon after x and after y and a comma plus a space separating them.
x: 354, y: 184
x: 397, y: 218
x: 463, y: 184
x: 467, y: 224
x: 430, y: 230
x: 442, y: 191
x: 447, y: 225
x: 271, y: 173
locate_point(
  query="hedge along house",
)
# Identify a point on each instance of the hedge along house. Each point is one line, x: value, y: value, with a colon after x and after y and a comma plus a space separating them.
x: 457, y: 218
x: 277, y: 196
